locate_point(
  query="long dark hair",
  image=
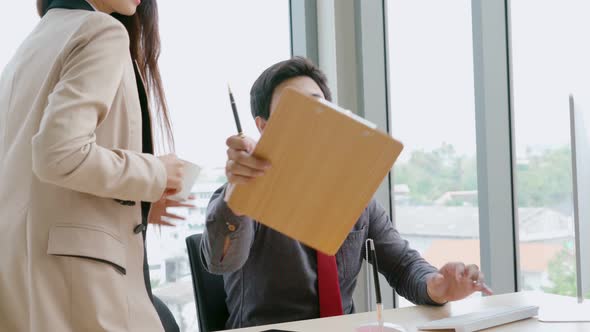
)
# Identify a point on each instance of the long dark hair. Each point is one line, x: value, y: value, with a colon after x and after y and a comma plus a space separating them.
x: 144, y: 38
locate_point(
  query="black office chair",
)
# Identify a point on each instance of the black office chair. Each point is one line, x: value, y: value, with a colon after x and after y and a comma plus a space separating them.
x: 209, y: 290
x: 166, y: 316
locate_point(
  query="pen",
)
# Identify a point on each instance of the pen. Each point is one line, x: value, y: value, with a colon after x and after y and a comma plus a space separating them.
x: 235, y: 111
x: 376, y: 282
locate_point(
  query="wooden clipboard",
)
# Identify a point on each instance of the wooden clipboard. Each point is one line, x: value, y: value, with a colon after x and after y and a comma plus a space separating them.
x: 326, y: 167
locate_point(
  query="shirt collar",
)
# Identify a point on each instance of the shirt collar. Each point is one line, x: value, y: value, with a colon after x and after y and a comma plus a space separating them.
x: 91, y: 5
x: 71, y: 4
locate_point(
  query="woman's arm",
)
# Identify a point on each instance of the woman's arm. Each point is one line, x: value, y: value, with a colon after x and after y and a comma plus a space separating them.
x: 65, y: 152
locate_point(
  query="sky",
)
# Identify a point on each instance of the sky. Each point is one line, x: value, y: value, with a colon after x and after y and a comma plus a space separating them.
x: 431, y: 71
x: 208, y: 44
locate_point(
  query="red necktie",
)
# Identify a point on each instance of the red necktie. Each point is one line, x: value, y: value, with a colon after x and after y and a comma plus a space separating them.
x: 328, y: 286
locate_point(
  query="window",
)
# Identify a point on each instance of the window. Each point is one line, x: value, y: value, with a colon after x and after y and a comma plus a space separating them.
x: 20, y: 18
x: 205, y: 46
x: 432, y: 112
x: 549, y: 61
x: 431, y: 107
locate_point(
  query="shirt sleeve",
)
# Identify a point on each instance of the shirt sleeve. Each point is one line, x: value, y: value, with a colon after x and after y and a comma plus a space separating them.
x: 64, y: 150
x: 403, y: 267
x: 223, y: 224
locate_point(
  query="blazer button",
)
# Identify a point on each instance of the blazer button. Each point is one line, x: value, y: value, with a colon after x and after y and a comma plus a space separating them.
x: 139, y: 228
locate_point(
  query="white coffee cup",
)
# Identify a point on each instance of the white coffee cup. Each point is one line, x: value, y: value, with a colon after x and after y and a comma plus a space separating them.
x: 191, y: 173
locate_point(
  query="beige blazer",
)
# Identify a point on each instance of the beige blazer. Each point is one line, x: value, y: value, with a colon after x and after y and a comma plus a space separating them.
x: 70, y: 142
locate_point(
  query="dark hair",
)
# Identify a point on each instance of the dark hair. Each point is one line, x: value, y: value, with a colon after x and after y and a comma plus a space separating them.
x: 144, y: 45
x: 42, y: 6
x: 264, y: 87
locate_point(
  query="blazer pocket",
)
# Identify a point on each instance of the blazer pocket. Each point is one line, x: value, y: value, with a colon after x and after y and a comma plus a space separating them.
x: 86, y: 241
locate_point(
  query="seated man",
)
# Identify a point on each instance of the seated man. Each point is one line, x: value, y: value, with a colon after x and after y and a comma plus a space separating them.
x: 271, y: 278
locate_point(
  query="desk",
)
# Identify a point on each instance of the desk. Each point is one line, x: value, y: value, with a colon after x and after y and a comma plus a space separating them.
x: 409, y: 318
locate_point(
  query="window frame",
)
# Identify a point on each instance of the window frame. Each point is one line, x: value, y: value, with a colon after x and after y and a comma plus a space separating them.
x: 356, y: 64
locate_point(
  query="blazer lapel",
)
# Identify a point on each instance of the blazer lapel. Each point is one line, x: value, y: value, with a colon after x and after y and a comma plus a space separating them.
x: 146, y: 123
x: 141, y: 88
x: 147, y: 139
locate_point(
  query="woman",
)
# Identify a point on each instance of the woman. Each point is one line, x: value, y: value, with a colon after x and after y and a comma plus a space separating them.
x: 75, y: 152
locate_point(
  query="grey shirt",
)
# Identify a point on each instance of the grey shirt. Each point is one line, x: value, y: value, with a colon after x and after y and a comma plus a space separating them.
x: 270, y: 278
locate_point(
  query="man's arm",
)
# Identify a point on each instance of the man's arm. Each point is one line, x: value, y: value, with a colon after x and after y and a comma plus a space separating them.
x: 405, y: 270
x: 227, y: 238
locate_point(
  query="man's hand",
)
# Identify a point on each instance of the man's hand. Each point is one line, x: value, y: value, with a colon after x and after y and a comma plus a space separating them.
x: 242, y: 166
x: 455, y: 281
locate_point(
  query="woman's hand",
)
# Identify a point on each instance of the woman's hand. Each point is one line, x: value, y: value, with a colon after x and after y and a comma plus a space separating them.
x: 159, y: 210
x: 174, y: 173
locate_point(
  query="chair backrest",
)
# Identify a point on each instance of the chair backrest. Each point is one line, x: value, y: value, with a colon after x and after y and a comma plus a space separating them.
x: 209, y: 290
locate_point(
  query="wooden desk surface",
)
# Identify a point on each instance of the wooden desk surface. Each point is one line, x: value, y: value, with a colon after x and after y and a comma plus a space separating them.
x: 410, y: 317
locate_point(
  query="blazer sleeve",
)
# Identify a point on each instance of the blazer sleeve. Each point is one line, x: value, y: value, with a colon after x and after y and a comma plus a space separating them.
x: 65, y: 152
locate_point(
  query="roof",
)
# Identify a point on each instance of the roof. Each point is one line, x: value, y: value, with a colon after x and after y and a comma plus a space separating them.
x: 463, y: 222
x: 437, y: 221
x: 401, y: 189
x: 534, y: 257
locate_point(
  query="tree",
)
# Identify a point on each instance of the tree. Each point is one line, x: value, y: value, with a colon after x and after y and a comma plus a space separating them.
x: 562, y: 273
x: 546, y: 180
x: 431, y: 174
